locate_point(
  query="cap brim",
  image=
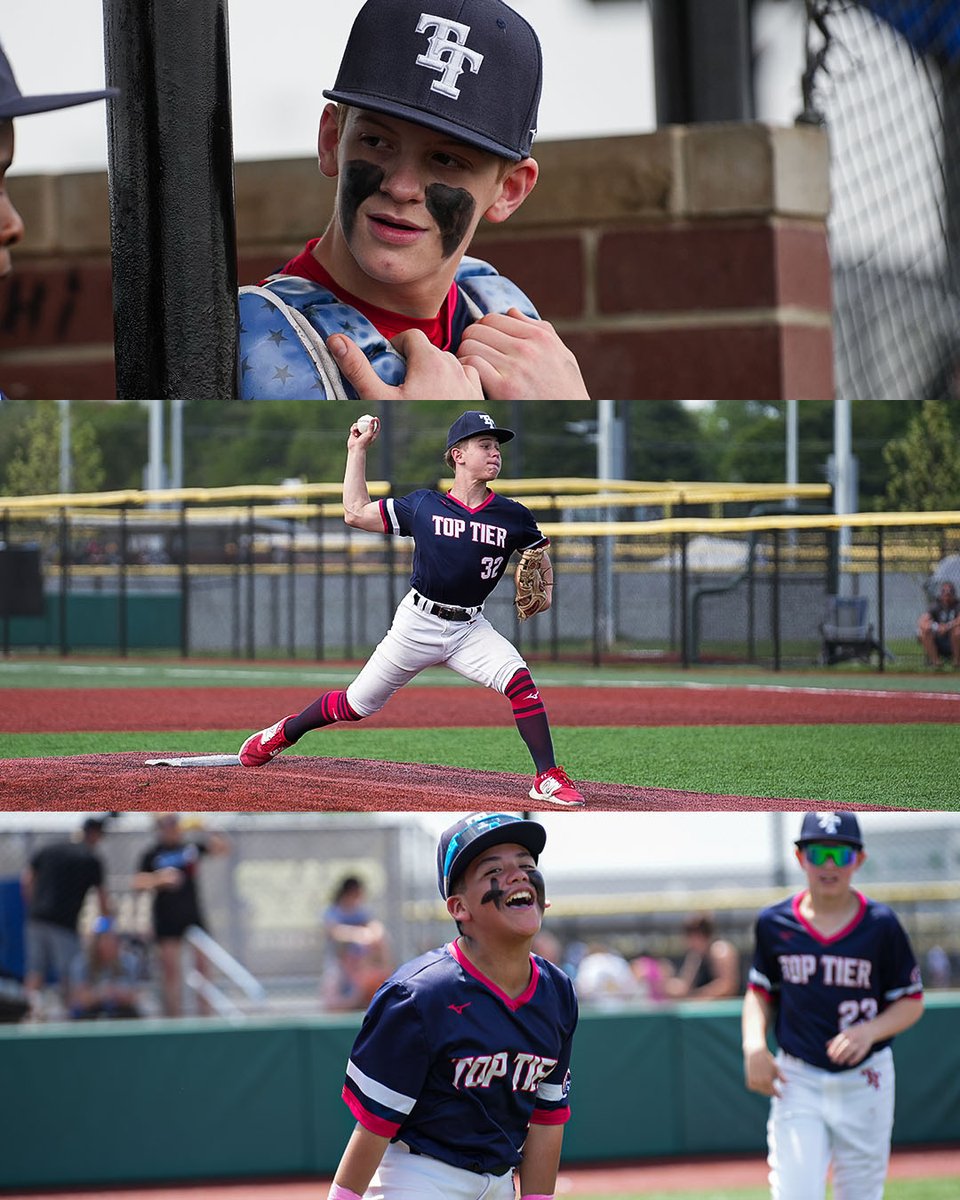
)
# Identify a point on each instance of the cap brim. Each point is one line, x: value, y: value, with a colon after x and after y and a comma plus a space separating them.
x: 23, y: 106
x: 431, y: 120
x: 529, y: 834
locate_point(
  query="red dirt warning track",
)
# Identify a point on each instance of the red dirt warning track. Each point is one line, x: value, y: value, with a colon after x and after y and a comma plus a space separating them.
x: 71, y: 710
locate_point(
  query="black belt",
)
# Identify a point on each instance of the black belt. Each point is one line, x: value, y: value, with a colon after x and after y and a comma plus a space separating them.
x: 475, y: 1167
x: 445, y: 611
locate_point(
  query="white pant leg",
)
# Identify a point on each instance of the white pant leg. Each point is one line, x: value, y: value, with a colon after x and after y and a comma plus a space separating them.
x: 411, y: 644
x: 405, y: 1176
x: 860, y: 1113
x: 485, y: 656
x: 798, y: 1140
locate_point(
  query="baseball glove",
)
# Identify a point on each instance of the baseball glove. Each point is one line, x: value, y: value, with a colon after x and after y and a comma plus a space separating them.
x: 532, y: 579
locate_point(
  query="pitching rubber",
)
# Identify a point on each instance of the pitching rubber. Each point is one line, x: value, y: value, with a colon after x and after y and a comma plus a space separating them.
x: 198, y: 760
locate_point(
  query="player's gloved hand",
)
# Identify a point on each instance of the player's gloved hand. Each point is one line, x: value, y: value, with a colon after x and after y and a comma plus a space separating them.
x: 432, y: 374
x: 761, y: 1072
x: 850, y: 1046
x: 520, y: 358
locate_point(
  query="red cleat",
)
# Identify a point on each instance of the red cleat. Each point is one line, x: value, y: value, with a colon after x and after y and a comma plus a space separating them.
x: 260, y: 747
x: 555, y: 786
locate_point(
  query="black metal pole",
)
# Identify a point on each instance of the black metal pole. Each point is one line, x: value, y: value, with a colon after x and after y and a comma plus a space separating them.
x: 5, y: 600
x: 684, y: 604
x: 880, y: 597
x: 172, y: 220
x: 597, y: 631
x: 776, y: 599
x: 291, y: 590
x: 702, y: 61
x: 123, y: 633
x: 184, y: 583
x: 64, y: 581
x: 251, y: 585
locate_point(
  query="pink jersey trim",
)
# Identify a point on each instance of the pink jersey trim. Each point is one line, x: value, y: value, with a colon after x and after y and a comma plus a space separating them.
x: 550, y: 1116
x: 819, y: 937
x: 383, y: 515
x: 513, y: 1004
x: 489, y: 500
x: 761, y: 991
x: 367, y: 1119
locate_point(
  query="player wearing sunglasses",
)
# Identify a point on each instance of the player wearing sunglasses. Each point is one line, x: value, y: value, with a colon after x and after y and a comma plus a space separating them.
x: 836, y: 979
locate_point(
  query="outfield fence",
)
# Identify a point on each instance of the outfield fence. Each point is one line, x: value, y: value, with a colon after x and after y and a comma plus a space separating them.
x: 691, y: 573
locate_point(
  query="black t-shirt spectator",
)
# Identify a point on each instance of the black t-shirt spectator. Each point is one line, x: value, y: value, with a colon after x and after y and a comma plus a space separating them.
x: 63, y: 873
x: 175, y: 909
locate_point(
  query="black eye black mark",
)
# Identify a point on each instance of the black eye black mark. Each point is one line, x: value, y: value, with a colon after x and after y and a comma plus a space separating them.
x: 452, y: 209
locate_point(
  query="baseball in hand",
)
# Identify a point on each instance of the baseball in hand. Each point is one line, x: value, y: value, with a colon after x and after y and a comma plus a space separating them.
x: 367, y: 422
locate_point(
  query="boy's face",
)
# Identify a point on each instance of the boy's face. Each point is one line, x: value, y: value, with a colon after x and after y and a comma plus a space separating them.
x: 479, y: 457
x: 11, y: 224
x: 825, y: 875
x: 501, y: 893
x: 409, y: 199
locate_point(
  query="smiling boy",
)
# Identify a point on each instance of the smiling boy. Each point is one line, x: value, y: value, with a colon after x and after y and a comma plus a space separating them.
x: 836, y: 973
x: 429, y: 133
x: 459, y: 1077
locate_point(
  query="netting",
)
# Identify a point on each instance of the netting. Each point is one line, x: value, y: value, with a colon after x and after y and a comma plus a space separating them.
x: 884, y: 77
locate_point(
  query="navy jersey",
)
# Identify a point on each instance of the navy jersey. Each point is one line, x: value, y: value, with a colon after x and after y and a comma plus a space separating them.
x: 460, y: 553
x: 822, y: 985
x: 449, y: 1064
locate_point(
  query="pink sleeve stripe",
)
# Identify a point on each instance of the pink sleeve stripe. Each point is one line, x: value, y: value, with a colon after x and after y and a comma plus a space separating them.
x: 375, y: 1124
x: 550, y: 1116
x: 383, y: 515
x: 761, y: 991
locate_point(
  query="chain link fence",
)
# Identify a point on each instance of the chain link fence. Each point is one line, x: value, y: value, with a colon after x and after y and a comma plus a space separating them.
x: 637, y: 579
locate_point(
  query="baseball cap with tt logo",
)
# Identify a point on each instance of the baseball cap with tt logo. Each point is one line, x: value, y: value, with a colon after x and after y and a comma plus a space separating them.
x: 468, y: 68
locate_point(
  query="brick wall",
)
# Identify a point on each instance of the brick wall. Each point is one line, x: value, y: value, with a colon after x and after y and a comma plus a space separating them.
x: 690, y: 263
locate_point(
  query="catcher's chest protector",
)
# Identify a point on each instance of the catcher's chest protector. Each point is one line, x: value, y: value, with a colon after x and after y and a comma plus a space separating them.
x: 284, y: 325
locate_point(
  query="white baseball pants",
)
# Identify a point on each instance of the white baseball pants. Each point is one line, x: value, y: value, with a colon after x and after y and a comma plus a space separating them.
x: 405, y: 1176
x: 842, y: 1119
x: 417, y: 640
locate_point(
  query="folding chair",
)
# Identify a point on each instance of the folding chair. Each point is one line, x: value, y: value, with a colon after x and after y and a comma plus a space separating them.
x: 846, y: 632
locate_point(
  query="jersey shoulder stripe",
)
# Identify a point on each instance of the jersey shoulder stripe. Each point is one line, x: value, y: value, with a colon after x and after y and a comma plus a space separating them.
x: 376, y: 1091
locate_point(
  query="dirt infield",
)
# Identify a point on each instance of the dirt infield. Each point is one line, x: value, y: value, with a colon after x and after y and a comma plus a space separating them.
x: 70, y: 710
x: 655, y: 1176
x: 312, y: 783
x: 308, y: 784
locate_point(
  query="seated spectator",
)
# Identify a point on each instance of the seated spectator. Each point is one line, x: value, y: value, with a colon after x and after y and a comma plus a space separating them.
x: 358, y: 958
x: 710, y: 969
x: 105, y: 976
x: 604, y: 977
x: 939, y: 627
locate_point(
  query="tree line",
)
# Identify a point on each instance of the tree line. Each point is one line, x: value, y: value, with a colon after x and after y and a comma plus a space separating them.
x: 908, y: 453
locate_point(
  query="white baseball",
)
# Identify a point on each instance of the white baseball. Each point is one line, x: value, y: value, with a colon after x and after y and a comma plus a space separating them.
x: 366, y: 421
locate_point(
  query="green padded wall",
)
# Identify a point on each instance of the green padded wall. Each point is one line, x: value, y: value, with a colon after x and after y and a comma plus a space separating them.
x: 148, y: 1101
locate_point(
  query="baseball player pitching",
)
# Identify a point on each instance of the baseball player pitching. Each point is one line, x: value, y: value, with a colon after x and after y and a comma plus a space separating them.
x: 459, y: 1076
x: 463, y: 542
x: 835, y: 974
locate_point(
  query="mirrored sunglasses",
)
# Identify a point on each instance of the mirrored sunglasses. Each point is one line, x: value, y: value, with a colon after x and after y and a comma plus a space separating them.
x: 818, y: 855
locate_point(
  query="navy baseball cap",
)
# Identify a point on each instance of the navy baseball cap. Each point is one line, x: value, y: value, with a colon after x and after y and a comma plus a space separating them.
x: 14, y: 104
x: 830, y: 827
x: 461, y: 843
x: 470, y: 424
x: 468, y: 68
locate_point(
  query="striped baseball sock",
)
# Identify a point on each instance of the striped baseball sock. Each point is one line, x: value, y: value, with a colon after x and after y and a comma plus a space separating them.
x: 531, y: 718
x: 325, y: 710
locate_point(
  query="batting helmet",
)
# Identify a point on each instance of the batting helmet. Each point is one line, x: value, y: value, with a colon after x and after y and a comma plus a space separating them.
x: 461, y: 843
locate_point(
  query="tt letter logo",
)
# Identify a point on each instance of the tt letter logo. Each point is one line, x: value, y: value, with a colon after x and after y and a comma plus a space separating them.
x: 447, y: 53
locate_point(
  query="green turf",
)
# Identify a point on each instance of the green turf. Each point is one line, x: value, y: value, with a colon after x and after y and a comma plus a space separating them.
x: 896, y: 1189
x: 895, y: 766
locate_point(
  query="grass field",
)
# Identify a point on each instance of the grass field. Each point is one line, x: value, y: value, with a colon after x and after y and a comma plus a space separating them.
x: 896, y: 1189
